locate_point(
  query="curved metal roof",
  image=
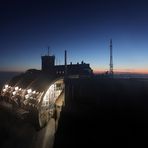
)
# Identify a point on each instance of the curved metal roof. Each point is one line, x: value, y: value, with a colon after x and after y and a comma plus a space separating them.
x: 32, y: 79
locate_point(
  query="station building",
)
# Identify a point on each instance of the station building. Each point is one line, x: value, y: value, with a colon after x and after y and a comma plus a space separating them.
x: 72, y: 70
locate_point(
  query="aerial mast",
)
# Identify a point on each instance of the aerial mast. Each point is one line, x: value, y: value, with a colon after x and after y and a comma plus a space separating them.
x: 111, y: 58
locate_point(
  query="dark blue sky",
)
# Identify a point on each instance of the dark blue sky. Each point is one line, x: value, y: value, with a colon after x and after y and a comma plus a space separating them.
x: 82, y: 27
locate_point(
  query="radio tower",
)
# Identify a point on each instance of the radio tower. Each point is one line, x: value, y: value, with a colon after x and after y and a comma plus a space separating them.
x: 111, y: 58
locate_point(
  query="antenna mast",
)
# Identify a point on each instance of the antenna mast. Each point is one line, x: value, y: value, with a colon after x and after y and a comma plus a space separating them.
x: 48, y: 50
x: 111, y: 58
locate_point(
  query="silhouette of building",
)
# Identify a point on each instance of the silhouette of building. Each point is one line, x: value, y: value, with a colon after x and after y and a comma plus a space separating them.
x: 48, y: 63
x: 72, y: 70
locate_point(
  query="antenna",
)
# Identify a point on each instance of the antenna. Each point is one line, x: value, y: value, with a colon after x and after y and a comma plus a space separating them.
x: 111, y: 58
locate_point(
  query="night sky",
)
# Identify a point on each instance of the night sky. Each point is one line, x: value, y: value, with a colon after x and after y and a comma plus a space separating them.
x: 82, y: 27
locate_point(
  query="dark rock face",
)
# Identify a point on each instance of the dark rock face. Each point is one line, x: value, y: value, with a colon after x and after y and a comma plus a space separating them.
x: 104, y: 112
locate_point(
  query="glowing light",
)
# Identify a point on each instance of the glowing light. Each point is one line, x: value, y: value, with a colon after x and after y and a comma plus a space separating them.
x: 14, y: 93
x: 4, y: 90
x: 16, y: 88
x: 34, y: 92
x: 6, y: 86
x: 29, y: 91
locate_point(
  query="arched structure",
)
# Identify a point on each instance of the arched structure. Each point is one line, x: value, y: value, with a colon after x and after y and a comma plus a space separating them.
x: 54, y: 96
x: 34, y: 94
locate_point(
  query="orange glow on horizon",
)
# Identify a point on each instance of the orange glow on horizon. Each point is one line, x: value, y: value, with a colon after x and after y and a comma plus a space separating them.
x: 121, y: 71
x: 95, y: 70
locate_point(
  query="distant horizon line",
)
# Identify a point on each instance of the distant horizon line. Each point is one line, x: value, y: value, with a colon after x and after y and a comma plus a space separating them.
x: 122, y: 71
x: 94, y: 71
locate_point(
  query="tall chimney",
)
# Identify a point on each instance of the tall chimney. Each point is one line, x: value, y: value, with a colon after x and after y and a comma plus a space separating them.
x: 65, y: 58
